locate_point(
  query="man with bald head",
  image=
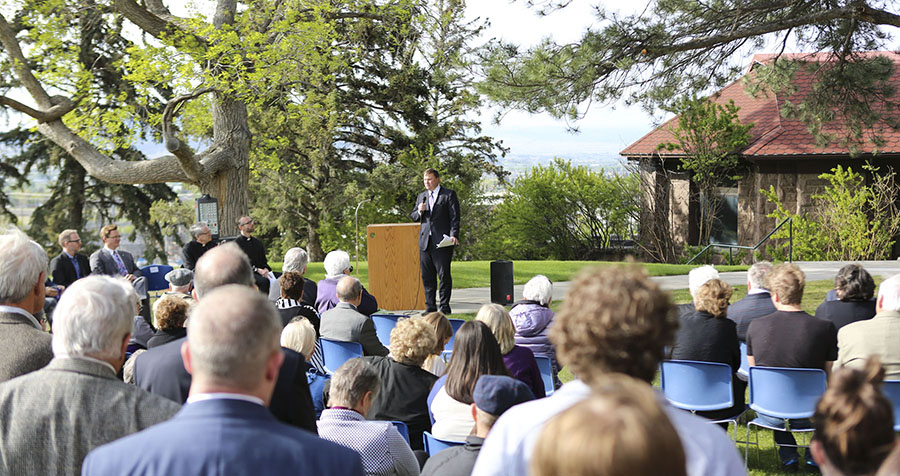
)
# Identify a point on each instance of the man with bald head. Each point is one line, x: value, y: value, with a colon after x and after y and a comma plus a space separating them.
x: 233, y: 354
x: 344, y: 323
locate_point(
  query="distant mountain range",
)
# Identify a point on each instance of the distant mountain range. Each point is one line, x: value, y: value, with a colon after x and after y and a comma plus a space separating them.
x: 519, y: 163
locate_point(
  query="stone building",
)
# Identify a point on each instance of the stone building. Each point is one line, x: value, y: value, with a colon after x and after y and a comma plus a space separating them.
x: 781, y: 153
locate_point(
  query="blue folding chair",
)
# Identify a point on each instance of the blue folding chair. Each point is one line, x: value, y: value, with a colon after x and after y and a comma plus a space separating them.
x: 434, y: 445
x: 546, y: 368
x: 745, y: 366
x: 335, y: 353
x: 784, y: 393
x: 699, y: 386
x: 402, y: 429
x: 891, y: 388
x: 455, y: 324
x: 384, y: 324
x: 155, y: 274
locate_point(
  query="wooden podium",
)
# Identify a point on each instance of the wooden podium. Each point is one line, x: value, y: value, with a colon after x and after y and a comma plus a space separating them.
x: 394, y: 275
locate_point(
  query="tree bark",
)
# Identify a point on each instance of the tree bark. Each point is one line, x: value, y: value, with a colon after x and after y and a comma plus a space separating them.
x: 314, y: 245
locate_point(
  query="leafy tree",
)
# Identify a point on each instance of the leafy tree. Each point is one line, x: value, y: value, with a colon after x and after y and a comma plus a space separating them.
x: 679, y: 47
x: 710, y: 136
x: 564, y: 211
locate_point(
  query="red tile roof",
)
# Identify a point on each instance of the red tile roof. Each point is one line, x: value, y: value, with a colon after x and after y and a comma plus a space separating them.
x: 773, y: 135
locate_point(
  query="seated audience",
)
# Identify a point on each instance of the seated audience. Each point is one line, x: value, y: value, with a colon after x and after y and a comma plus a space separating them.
x: 345, y: 324
x: 790, y: 338
x: 605, y: 311
x: 628, y: 434
x: 232, y: 352
x: 56, y: 415
x: 443, y: 331
x: 696, y: 278
x: 707, y: 336
x: 532, y: 317
x: 854, y: 423
x: 26, y: 347
x: 475, y: 353
x: 180, y: 283
x: 404, y: 384
x: 255, y: 250
x: 384, y: 451
x: 337, y: 266
x: 854, y: 287
x: 290, y: 304
x: 171, y: 313
x: 296, y: 259
x: 201, y: 242
x: 493, y: 395
x: 69, y: 265
x: 757, y: 303
x: 299, y: 335
x: 877, y: 336
x: 519, y: 360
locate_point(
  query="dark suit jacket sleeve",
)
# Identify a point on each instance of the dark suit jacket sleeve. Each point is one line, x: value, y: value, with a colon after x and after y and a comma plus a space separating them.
x: 133, y: 269
x: 58, y: 271
x: 454, y: 214
x: 291, y: 401
x: 368, y: 305
x: 415, y: 215
x: 97, y: 266
x: 369, y: 340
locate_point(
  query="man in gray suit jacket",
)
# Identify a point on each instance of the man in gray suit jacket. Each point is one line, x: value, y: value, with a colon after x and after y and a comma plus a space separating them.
x: 112, y: 261
x: 344, y: 323
x: 53, y: 417
x: 25, y: 346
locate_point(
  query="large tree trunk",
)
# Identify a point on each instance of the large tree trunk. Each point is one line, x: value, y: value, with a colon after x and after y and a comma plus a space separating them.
x: 314, y: 245
x: 76, y: 174
x: 231, y: 183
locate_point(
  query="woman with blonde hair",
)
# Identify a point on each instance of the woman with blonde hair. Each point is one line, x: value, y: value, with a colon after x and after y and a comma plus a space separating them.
x: 519, y: 360
x: 442, y: 330
x: 300, y: 335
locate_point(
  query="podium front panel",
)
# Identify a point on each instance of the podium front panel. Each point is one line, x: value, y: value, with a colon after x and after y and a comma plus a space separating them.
x: 394, y: 275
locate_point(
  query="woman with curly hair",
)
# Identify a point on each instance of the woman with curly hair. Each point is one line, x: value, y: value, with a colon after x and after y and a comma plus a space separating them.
x: 708, y: 336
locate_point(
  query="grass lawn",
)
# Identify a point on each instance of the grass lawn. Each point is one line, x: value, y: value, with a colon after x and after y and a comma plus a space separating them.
x: 477, y: 274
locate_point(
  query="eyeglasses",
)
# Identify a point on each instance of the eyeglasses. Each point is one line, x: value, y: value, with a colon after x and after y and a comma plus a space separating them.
x: 74, y: 241
x: 350, y: 269
x: 246, y: 223
x: 113, y: 237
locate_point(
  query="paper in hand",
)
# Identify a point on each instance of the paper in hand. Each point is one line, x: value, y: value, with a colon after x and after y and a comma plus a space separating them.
x: 447, y: 241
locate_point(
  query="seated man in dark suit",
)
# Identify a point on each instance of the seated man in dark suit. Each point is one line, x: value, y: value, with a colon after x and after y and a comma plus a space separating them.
x: 112, y: 261
x: 757, y: 302
x: 233, y: 355
x: 70, y: 264
x: 77, y: 403
x: 201, y: 242
x: 344, y: 323
x: 161, y: 370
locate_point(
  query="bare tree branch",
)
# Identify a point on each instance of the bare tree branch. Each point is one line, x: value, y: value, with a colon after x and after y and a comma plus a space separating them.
x: 181, y: 150
x: 20, y: 65
x: 61, y: 106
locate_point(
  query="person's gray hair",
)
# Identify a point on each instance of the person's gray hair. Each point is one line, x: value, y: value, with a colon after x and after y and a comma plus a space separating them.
x: 348, y: 289
x: 889, y: 290
x: 698, y: 276
x: 538, y: 288
x: 296, y: 259
x: 351, y: 381
x: 21, y: 263
x: 93, y: 317
x: 231, y: 334
x: 756, y: 275
x: 225, y: 264
x: 197, y: 228
x: 335, y: 263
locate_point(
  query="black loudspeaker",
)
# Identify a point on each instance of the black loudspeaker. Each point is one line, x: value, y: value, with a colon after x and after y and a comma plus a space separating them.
x: 502, y: 282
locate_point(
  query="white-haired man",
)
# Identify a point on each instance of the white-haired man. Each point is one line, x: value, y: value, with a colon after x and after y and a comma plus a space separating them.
x: 25, y: 346
x: 297, y: 259
x: 337, y: 265
x: 757, y: 303
x: 234, y: 357
x: 879, y: 335
x: 696, y: 278
x: 60, y: 413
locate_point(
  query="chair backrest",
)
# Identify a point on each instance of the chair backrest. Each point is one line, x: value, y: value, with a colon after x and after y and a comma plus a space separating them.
x: 156, y: 276
x: 784, y: 392
x: 384, y: 324
x: 891, y: 388
x: 745, y: 367
x: 455, y: 324
x: 696, y: 386
x: 546, y: 368
x: 335, y: 353
x: 434, y: 445
x: 402, y: 429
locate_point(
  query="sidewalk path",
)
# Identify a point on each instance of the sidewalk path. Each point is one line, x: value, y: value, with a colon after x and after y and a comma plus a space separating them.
x: 470, y: 299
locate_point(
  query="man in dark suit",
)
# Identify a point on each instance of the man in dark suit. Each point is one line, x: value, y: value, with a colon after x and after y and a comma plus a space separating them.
x: 233, y: 355
x: 70, y: 264
x: 112, y: 261
x: 437, y: 208
x: 161, y: 370
x: 25, y: 346
x: 77, y: 403
x: 344, y: 323
x: 757, y: 303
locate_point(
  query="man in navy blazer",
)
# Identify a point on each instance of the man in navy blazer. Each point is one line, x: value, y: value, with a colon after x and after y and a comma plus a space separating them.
x: 234, y: 356
x: 437, y: 208
x: 757, y: 303
x: 63, y: 267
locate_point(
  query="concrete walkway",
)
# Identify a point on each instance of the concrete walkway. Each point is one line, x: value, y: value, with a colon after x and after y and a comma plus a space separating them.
x: 470, y: 299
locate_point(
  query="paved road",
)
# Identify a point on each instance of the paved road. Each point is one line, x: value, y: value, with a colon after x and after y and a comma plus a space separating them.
x: 469, y: 300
